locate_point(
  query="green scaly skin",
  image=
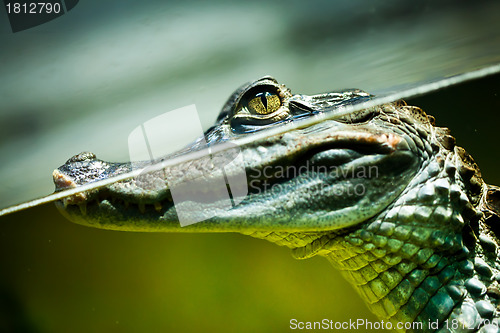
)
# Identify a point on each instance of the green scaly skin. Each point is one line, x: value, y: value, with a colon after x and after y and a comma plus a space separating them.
x: 382, y: 193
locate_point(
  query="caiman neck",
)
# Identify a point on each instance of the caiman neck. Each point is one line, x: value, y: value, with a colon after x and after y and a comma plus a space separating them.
x: 420, y: 260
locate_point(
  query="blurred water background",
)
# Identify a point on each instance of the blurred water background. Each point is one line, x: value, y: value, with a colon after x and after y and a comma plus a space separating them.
x: 85, y: 80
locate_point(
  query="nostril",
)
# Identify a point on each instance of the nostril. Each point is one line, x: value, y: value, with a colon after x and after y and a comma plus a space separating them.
x: 62, y: 181
x: 84, y: 156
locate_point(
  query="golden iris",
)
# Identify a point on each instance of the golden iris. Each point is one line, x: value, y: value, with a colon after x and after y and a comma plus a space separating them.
x: 264, y: 103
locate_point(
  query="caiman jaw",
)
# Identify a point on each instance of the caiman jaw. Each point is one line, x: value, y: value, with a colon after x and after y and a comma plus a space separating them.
x: 323, y: 177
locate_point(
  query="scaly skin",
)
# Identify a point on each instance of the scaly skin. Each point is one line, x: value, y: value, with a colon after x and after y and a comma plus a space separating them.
x: 385, y: 195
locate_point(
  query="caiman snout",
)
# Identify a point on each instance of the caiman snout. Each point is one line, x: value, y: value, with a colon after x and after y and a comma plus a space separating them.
x: 85, y: 168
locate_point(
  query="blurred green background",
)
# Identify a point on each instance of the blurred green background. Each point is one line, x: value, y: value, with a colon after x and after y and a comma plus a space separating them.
x: 86, y: 79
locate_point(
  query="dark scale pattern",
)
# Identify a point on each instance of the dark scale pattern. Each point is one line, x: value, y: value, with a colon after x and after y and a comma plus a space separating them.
x: 411, y: 263
x: 403, y: 270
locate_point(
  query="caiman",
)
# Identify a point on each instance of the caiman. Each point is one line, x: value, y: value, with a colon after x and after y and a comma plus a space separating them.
x: 381, y: 192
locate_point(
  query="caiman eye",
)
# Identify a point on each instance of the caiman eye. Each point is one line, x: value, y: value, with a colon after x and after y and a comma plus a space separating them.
x: 264, y: 103
x: 259, y: 108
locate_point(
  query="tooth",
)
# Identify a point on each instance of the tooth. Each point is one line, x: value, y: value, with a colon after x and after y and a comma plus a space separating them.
x: 83, y: 208
x: 142, y: 207
x: 158, y: 207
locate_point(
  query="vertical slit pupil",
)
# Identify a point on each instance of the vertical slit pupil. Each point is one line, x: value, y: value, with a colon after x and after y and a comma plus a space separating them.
x: 263, y: 98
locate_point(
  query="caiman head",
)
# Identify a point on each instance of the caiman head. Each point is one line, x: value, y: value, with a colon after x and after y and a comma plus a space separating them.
x: 380, y: 191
